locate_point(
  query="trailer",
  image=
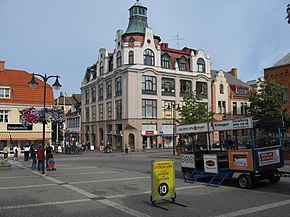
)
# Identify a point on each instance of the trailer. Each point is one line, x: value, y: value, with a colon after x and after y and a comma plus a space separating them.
x: 250, y: 148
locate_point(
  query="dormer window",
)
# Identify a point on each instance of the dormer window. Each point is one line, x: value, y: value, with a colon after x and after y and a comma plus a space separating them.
x: 149, y: 57
x: 200, y: 65
x: 119, y: 59
x: 182, y: 63
x: 4, y: 92
x: 101, y: 68
x: 165, y: 61
x: 221, y: 89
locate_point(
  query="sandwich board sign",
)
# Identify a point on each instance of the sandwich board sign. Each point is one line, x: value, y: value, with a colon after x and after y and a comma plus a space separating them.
x: 162, y: 180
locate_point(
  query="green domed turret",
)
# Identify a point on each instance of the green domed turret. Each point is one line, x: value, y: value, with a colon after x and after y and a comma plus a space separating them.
x: 138, y: 19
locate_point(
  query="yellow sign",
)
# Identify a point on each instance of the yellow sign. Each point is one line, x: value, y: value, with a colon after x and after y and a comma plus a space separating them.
x: 162, y: 177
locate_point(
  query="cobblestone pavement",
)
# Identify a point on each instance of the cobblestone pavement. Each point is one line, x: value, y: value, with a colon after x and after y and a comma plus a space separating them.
x: 81, y: 186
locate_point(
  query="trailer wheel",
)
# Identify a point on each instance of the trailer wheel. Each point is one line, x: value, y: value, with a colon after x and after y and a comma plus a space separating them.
x: 274, y: 179
x: 186, y: 173
x: 245, y: 181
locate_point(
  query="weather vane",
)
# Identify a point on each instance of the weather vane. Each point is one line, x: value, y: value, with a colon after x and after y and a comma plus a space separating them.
x: 288, y: 13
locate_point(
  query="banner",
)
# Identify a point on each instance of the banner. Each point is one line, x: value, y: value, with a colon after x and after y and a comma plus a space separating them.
x: 210, y: 163
x: 269, y: 157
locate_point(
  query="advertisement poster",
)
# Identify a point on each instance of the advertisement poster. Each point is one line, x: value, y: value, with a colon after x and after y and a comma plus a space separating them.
x: 269, y: 157
x: 241, y: 160
x: 188, y: 160
x: 162, y: 179
x: 210, y: 163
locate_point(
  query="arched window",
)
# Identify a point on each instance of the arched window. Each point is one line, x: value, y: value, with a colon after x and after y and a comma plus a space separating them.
x: 119, y: 59
x: 200, y: 65
x: 131, y: 57
x: 101, y: 68
x: 221, y: 89
x: 165, y: 61
x: 148, y: 57
x: 182, y: 63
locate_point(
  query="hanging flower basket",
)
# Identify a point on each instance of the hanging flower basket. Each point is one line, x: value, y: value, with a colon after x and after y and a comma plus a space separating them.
x: 31, y: 115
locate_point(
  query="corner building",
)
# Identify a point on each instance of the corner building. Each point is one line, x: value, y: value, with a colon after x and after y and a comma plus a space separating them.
x: 126, y: 94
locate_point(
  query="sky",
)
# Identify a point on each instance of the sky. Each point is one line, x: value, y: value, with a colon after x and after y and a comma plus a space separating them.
x: 63, y: 37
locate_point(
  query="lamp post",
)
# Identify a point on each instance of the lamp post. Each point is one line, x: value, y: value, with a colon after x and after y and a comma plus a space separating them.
x: 64, y: 126
x: 56, y: 86
x: 173, y: 108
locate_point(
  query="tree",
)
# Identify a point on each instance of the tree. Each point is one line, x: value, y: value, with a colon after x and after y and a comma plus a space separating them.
x: 193, y: 110
x: 268, y: 101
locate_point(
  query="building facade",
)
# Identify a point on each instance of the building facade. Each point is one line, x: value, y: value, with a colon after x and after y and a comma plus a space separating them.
x: 15, y: 95
x: 126, y: 93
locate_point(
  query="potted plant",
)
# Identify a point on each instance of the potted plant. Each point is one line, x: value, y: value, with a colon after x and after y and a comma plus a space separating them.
x: 107, y: 149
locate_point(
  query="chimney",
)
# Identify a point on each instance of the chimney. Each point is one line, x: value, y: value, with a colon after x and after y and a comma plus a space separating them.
x: 234, y: 72
x: 2, y: 66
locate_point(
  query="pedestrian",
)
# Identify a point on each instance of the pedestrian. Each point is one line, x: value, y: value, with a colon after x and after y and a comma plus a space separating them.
x: 15, y: 150
x: 5, y: 152
x: 33, y: 157
x: 126, y: 148
x: 40, y: 158
x: 26, y: 152
x: 48, y: 150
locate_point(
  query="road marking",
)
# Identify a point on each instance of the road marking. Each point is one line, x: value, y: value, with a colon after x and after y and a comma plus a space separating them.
x: 110, y: 180
x: 27, y: 186
x: 91, y: 173
x: 44, y: 204
x: 123, y: 208
x: 17, y: 177
x: 148, y: 192
x: 255, y: 209
x: 76, y: 168
x: 80, y: 191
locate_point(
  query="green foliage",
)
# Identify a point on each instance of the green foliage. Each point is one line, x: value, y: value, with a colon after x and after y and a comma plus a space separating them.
x: 268, y: 100
x: 193, y: 110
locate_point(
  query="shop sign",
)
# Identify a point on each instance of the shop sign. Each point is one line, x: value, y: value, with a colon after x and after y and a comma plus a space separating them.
x: 162, y: 179
x: 241, y: 160
x: 192, y: 128
x: 210, y: 163
x: 244, y: 123
x: 269, y: 157
x: 188, y: 160
x: 18, y: 127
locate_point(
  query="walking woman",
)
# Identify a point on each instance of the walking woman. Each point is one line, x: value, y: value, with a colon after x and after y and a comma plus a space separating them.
x: 33, y: 157
x: 5, y: 152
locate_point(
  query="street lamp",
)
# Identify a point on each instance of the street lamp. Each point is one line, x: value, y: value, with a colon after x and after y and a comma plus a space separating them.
x: 173, y: 108
x: 56, y: 86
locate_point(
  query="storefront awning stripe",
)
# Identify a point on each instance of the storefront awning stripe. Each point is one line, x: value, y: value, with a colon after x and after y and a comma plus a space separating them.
x: 24, y: 136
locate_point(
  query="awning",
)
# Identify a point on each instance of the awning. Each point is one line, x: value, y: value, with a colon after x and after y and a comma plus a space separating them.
x: 24, y: 136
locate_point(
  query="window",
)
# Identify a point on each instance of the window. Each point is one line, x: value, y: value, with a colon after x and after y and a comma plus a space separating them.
x: 242, y: 91
x: 234, y: 108
x: 200, y: 65
x: 101, y: 112
x: 111, y: 65
x: 224, y: 111
x: 4, y: 116
x: 101, y: 68
x: 109, y: 110
x: 242, y: 108
x: 109, y: 89
x: 131, y: 40
x: 87, y: 96
x: 221, y: 89
x: 165, y: 61
x: 201, y: 89
x: 149, y: 108
x: 149, y: 57
x: 119, y: 109
x: 168, y: 87
x: 219, y: 107
x: 93, y: 94
x: 93, y: 113
x: 167, y: 113
x: 118, y: 86
x: 119, y: 59
x: 101, y: 92
x: 131, y: 57
x: 246, y: 109
x: 87, y: 114
x: 182, y: 64
x: 4, y: 92
x: 185, y: 87
x: 149, y: 85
